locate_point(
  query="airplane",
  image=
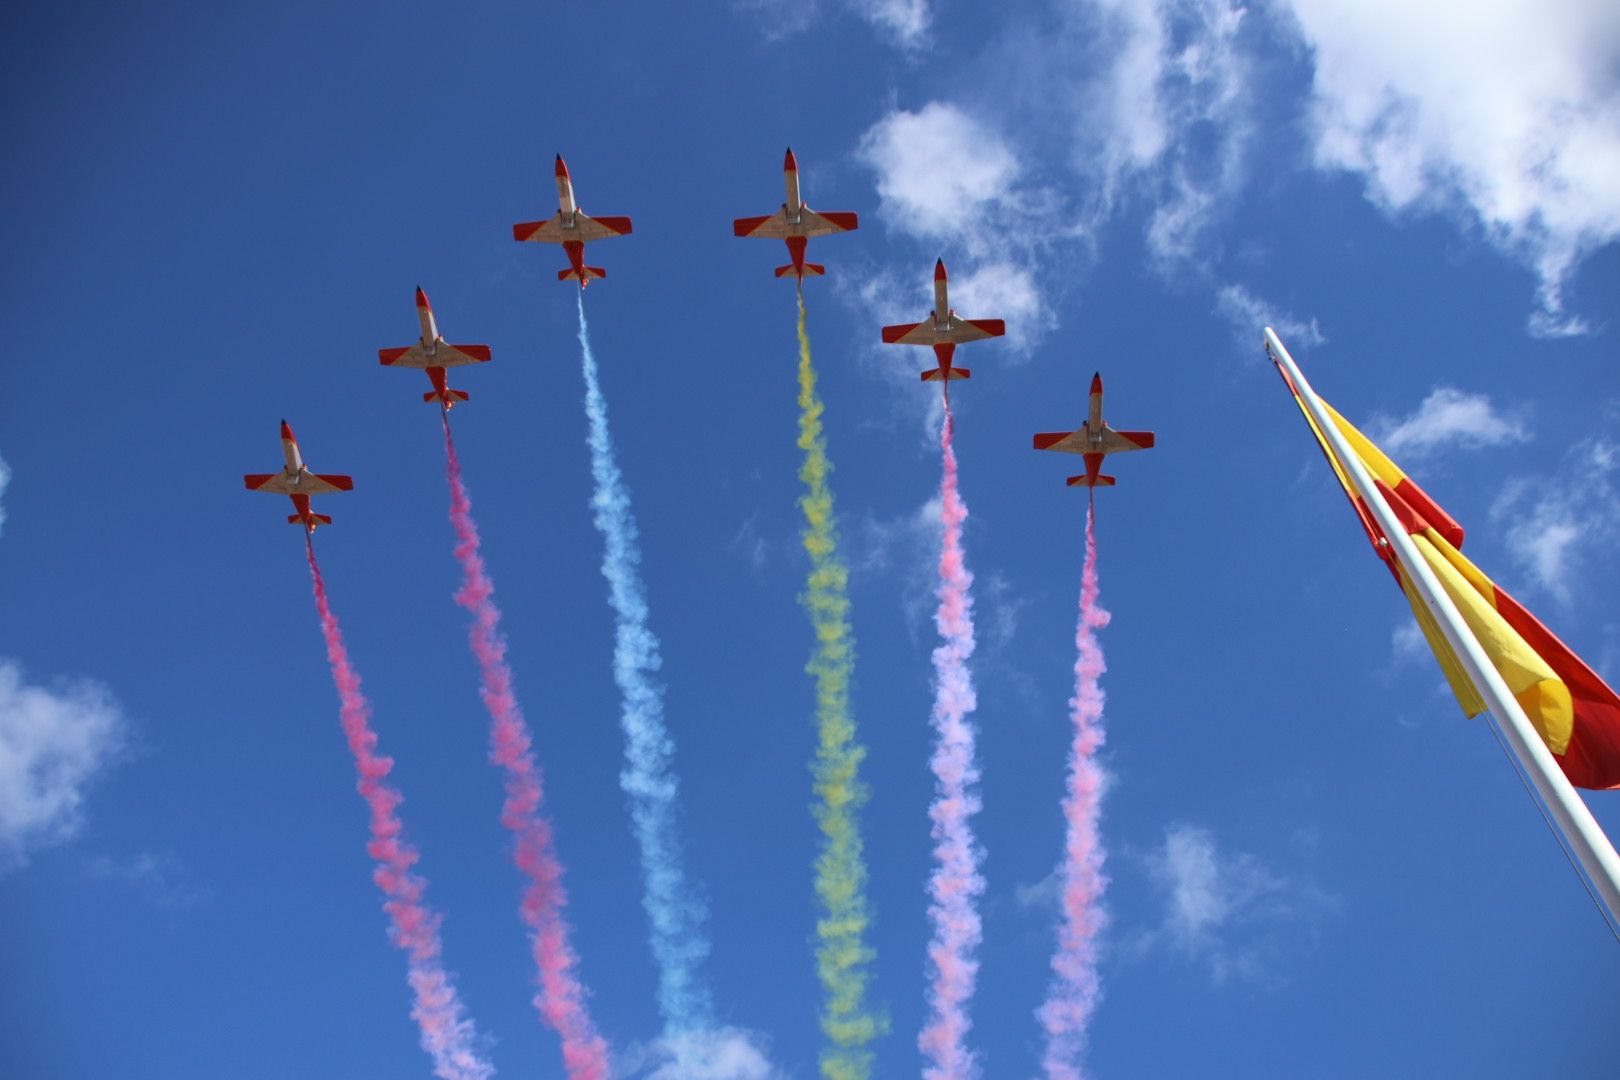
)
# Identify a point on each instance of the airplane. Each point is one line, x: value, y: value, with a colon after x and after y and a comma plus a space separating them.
x: 297, y: 483
x: 796, y: 223
x: 572, y: 228
x: 433, y: 355
x: 1094, y: 441
x: 944, y: 331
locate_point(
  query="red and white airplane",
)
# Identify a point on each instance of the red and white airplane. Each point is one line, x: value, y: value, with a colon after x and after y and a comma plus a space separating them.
x: 796, y: 223
x: 944, y: 331
x: 297, y: 483
x: 433, y: 354
x: 1094, y: 441
x: 573, y: 229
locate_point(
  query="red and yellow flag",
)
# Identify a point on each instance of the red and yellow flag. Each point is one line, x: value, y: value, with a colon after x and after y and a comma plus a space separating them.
x: 1576, y: 712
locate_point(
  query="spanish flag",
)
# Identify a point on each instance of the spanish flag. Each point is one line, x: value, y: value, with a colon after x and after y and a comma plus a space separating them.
x: 1576, y: 713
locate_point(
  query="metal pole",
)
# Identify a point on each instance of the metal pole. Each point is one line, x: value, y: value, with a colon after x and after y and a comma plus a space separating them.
x: 1581, y: 831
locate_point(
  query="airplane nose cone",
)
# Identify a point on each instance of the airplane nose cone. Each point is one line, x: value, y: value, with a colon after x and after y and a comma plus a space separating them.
x: 1096, y: 383
x: 939, y: 270
x: 421, y: 298
x: 790, y: 163
x: 286, y: 432
x: 562, y: 166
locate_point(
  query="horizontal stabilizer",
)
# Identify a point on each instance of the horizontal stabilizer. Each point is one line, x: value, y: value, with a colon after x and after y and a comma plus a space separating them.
x: 591, y: 274
x: 314, y: 519
x: 810, y: 270
x: 1083, y: 481
x: 936, y: 374
x: 450, y: 396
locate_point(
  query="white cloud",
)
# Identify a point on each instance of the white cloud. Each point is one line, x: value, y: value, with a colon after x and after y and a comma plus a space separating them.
x: 1248, y: 315
x: 53, y: 743
x: 941, y: 174
x: 907, y: 20
x: 5, y: 478
x: 721, y: 1054
x: 161, y: 879
x: 948, y: 179
x: 1407, y: 644
x: 1160, y: 113
x: 1229, y: 910
x: 1447, y: 417
x: 1554, y: 525
x: 1508, y: 112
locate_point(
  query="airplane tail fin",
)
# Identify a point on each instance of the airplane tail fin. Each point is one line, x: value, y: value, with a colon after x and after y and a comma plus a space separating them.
x: 936, y: 374
x: 590, y: 274
x: 449, y: 399
x: 1083, y: 481
x: 810, y: 270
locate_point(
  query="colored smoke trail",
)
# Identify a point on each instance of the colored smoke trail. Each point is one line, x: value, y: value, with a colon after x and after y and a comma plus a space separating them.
x: 446, y: 1034
x: 561, y: 1000
x: 842, y: 954
x: 680, y: 941
x: 1072, y: 997
x: 956, y: 884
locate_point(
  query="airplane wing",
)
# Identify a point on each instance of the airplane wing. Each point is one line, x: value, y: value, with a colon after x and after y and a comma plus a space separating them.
x: 909, y: 334
x: 549, y: 231
x: 963, y: 330
x: 1068, y: 442
x: 1115, y: 442
x: 777, y: 226
x: 309, y: 484
x: 586, y: 229
x: 1078, y: 442
x: 445, y: 356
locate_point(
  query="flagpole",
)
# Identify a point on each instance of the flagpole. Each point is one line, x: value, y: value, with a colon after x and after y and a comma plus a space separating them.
x: 1581, y: 832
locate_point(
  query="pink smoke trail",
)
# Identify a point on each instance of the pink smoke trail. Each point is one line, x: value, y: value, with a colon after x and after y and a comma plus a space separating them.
x: 561, y: 1000
x: 956, y: 883
x: 1072, y: 997
x: 447, y: 1035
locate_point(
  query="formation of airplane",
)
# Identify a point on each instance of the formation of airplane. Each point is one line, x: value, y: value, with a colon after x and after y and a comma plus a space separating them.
x: 573, y: 229
x: 297, y: 483
x: 796, y: 223
x: 1093, y: 441
x: 945, y: 330
x: 433, y: 354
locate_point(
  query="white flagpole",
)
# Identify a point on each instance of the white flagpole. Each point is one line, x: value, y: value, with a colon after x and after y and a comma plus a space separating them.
x: 1581, y: 831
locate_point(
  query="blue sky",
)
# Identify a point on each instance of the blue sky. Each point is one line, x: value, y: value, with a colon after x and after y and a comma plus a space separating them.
x: 216, y: 216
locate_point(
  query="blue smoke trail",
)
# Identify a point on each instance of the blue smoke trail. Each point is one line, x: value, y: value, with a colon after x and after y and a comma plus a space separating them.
x: 680, y: 942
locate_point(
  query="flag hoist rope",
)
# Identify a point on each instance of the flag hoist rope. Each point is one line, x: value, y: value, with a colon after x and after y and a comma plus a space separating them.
x: 1591, y: 847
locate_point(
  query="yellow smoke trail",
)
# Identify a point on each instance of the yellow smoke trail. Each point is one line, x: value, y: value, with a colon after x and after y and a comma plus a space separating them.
x: 842, y: 955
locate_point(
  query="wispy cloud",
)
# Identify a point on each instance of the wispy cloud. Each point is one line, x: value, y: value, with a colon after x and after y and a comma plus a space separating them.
x: 1514, y: 124
x: 948, y: 178
x: 53, y: 744
x: 1555, y: 524
x: 160, y: 879
x: 905, y: 21
x: 1229, y: 911
x: 1448, y: 418
x: 721, y: 1054
x: 5, y: 479
x: 1248, y: 314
